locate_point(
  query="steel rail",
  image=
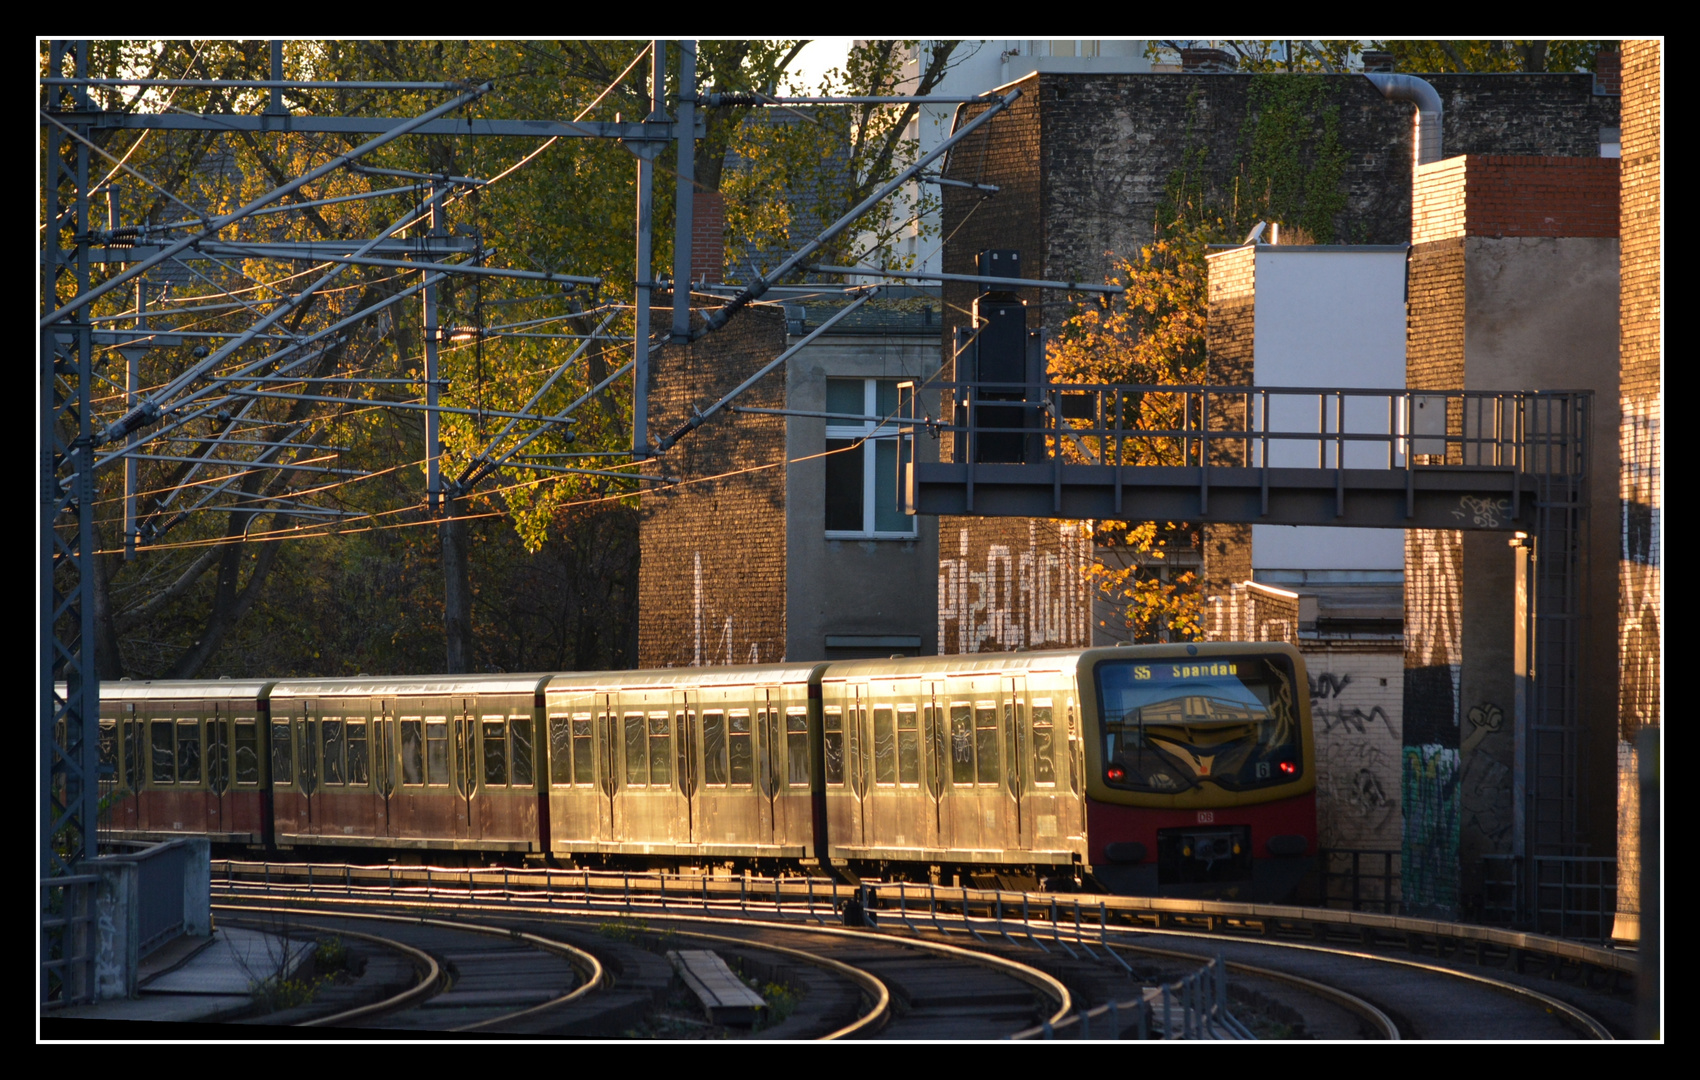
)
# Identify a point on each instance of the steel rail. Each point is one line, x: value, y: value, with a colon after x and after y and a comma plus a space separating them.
x: 426, y: 986
x: 1350, y: 1002
x: 588, y: 966
x: 1046, y: 984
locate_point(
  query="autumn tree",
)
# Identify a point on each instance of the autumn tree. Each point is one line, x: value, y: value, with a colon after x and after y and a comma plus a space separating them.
x: 1150, y: 337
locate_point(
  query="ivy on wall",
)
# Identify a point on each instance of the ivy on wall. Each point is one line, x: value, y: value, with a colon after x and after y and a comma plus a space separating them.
x: 1290, y: 167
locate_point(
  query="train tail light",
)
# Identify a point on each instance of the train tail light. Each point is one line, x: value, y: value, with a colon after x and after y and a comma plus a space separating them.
x: 1116, y: 772
x: 1289, y: 768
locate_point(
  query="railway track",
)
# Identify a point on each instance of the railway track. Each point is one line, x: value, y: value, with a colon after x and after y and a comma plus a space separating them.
x: 978, y: 965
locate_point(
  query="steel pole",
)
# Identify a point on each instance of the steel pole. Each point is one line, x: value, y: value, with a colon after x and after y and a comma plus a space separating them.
x: 686, y: 189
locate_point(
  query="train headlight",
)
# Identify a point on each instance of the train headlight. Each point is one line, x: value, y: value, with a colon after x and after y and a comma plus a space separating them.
x: 1236, y: 849
x: 1187, y: 851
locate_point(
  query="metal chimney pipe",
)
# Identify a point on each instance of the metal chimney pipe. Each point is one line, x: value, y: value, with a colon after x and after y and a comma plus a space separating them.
x: 1425, y: 141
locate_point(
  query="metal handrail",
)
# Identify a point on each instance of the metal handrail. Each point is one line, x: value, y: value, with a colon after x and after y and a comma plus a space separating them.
x: 1521, y: 431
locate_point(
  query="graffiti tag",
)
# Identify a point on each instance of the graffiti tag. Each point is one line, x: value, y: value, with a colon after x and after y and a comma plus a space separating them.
x: 1483, y: 513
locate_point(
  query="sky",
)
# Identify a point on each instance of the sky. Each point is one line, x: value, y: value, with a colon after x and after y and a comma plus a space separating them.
x: 817, y: 56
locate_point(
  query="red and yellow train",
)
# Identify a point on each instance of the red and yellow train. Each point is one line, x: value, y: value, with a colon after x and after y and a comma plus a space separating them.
x: 1178, y: 770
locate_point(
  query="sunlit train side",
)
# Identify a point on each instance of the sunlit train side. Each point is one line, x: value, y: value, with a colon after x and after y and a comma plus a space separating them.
x: 1156, y: 770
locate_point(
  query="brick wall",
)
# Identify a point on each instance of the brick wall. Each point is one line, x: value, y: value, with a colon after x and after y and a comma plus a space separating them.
x: 708, y: 236
x: 1004, y: 583
x: 1357, y: 709
x: 1013, y: 583
x: 711, y: 589
x: 1641, y: 445
x: 1111, y: 144
x: 1247, y: 611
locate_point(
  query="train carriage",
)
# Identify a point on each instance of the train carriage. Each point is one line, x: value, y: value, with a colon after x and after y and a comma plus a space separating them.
x: 426, y: 764
x: 701, y: 763
x: 955, y: 762
x: 185, y: 757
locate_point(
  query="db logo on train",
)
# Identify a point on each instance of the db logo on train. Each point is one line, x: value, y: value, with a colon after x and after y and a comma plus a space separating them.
x: 1207, y: 817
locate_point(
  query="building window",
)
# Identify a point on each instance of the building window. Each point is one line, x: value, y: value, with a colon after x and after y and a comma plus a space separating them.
x: 861, y: 463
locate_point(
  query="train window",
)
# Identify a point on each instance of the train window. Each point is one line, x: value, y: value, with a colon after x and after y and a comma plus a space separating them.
x: 584, y: 759
x: 832, y: 721
x: 358, y: 772
x: 495, y: 753
x: 659, y: 749
x: 797, y: 746
x: 1073, y: 751
x: 961, y: 743
x: 247, y: 751
x: 335, y: 750
x: 986, y: 741
x: 885, y: 745
x: 561, y: 750
x: 519, y: 736
x: 1044, y: 753
x: 436, y: 750
x: 637, y: 760
x: 283, y: 757
x: 743, y: 757
x: 188, y: 751
x: 714, y: 748
x: 908, y: 746
x: 412, y: 750
x: 164, y: 753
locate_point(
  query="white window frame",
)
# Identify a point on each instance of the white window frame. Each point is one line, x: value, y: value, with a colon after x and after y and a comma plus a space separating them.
x: 870, y: 431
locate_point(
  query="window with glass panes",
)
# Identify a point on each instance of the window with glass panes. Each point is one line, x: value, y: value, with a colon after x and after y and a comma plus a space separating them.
x: 861, y: 461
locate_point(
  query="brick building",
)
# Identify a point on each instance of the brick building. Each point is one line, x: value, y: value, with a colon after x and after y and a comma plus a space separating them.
x: 784, y: 542
x: 1641, y: 446
x: 1513, y: 285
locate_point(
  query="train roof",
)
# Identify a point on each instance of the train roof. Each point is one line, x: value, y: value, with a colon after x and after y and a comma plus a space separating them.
x: 174, y: 689
x: 740, y: 675
x: 908, y: 667
x: 412, y: 685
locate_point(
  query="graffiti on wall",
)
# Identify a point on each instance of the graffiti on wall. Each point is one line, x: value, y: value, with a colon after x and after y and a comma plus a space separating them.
x: 714, y: 644
x: 1357, y: 744
x: 1013, y: 598
x: 1429, y: 790
x: 1486, y: 783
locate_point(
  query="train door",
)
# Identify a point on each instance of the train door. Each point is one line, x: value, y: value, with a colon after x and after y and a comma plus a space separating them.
x: 1044, y: 807
x: 795, y: 802
x: 770, y: 771
x: 466, y: 768
x: 684, y: 826
x: 1015, y: 743
x: 935, y: 741
x: 307, y: 766
x: 607, y: 764
x: 385, y: 760
x: 978, y: 803
x: 218, y: 809
x: 859, y: 756
x: 577, y: 805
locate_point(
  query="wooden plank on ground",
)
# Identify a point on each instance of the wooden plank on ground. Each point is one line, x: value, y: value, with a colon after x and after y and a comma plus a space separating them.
x: 725, y: 999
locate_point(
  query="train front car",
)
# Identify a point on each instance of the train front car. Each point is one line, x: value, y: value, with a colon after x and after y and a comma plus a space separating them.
x: 1200, y: 769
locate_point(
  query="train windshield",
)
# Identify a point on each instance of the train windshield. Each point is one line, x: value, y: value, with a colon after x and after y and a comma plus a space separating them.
x: 1229, y: 721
